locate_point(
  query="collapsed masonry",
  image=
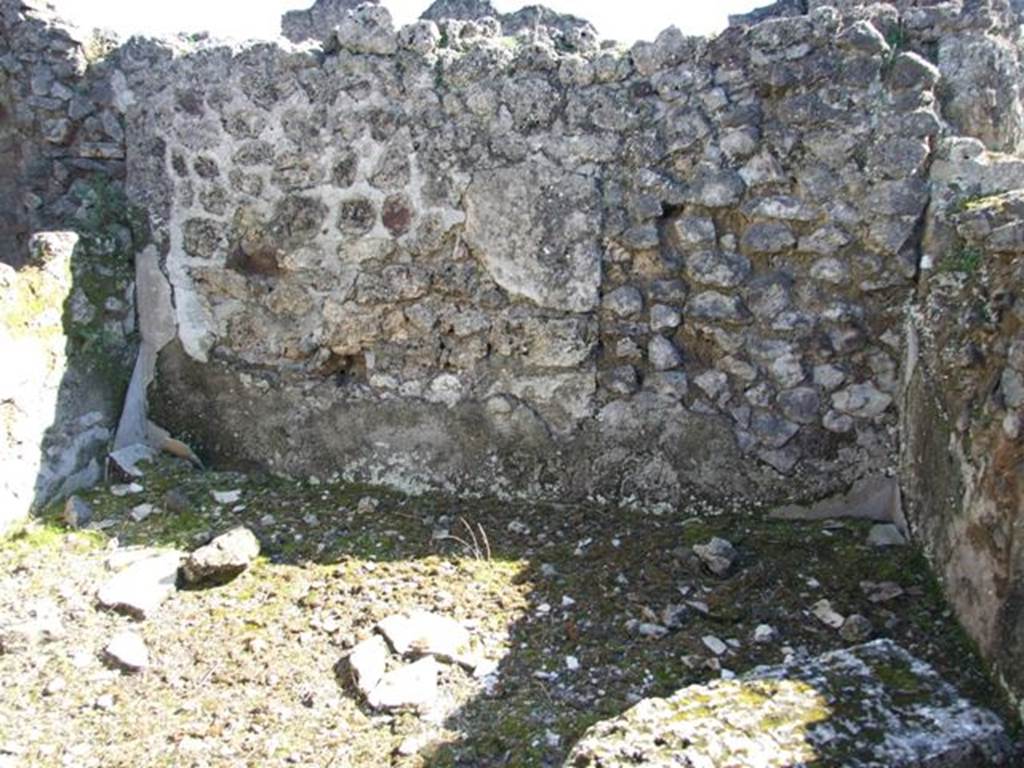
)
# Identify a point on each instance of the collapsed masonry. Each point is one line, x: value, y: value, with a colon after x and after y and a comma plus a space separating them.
x: 495, y: 255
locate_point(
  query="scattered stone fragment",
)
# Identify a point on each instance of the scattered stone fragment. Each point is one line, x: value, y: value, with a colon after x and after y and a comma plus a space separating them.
x: 142, y: 587
x: 126, y: 460
x: 77, y: 512
x: 805, y: 712
x: 368, y: 662
x: 764, y: 633
x: 141, y: 512
x: 827, y: 615
x: 412, y: 686
x: 856, y: 629
x: 226, y: 497
x: 366, y: 505
x: 129, y: 489
x: 881, y: 592
x: 886, y: 535
x: 715, y: 645
x: 128, y: 651
x: 413, y: 745
x: 223, y: 558
x: 421, y: 634
x: 718, y: 555
x: 55, y: 686
x: 674, y: 615
x: 648, y: 629
x: 104, y: 702
x: 699, y: 606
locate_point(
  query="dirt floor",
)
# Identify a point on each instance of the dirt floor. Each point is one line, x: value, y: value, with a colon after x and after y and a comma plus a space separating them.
x: 584, y: 610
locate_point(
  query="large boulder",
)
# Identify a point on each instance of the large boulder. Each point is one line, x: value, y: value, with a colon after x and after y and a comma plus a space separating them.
x: 223, y: 558
x: 874, y: 704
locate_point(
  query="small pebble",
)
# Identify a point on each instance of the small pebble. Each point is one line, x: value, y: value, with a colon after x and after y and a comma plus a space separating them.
x: 129, y: 489
x: 226, y: 497
x: 856, y: 629
x: 714, y: 645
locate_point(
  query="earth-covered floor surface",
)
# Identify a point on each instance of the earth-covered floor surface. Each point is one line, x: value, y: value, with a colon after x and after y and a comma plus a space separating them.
x: 584, y: 611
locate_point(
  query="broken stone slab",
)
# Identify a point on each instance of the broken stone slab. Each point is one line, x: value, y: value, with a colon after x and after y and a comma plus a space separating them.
x: 227, y: 497
x: 718, y: 555
x: 126, y: 460
x: 427, y: 634
x: 368, y: 663
x: 142, y: 512
x: 223, y: 558
x: 871, y: 498
x: 886, y: 535
x: 128, y: 651
x: 412, y: 686
x: 881, y: 592
x: 827, y: 615
x: 870, y: 705
x: 142, y: 587
x: 126, y: 489
x: 714, y: 644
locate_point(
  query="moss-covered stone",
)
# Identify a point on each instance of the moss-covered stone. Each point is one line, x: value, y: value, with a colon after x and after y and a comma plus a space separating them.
x: 870, y: 705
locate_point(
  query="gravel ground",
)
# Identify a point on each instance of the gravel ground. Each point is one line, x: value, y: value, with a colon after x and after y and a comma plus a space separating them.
x: 583, y: 610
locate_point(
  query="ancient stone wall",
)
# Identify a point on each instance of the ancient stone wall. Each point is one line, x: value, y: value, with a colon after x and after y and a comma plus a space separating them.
x: 66, y: 312
x: 446, y: 257
x: 963, y: 407
x: 60, y: 126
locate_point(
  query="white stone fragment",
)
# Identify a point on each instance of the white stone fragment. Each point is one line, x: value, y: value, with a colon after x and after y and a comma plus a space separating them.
x: 129, y: 489
x: 143, y: 586
x: 226, y: 497
x: 426, y: 634
x: 368, y: 662
x: 410, y: 686
x: 827, y: 615
x: 128, y: 650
